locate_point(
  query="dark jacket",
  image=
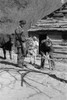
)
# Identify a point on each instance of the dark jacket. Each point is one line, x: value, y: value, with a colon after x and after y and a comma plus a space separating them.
x: 46, y: 46
x: 19, y: 39
x: 20, y: 42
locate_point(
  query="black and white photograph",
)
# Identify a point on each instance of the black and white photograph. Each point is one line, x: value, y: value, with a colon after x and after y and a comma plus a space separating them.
x: 33, y: 49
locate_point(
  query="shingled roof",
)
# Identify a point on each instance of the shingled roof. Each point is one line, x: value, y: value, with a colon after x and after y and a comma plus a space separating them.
x: 57, y: 20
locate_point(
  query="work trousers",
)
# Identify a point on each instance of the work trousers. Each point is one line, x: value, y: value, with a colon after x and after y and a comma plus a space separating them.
x: 50, y: 60
x: 20, y: 57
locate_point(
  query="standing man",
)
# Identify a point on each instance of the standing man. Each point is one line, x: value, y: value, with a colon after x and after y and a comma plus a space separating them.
x: 46, y: 48
x: 20, y: 43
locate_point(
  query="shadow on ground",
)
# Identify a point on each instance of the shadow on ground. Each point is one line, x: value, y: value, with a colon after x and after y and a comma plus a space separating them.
x: 8, y: 63
x: 1, y: 57
x: 57, y: 78
x: 51, y: 75
x: 11, y: 63
x: 36, y: 66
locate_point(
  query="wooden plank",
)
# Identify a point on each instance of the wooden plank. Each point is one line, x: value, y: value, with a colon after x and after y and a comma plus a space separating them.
x: 60, y: 49
x: 59, y: 56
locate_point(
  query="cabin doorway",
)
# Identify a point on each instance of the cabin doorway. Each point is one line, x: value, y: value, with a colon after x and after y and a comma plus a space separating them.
x: 41, y: 37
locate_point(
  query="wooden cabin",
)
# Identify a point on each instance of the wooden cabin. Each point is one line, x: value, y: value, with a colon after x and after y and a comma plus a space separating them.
x: 55, y: 25
x: 52, y: 33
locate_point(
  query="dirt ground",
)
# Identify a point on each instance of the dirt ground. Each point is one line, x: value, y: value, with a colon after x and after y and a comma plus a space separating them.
x: 46, y: 85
